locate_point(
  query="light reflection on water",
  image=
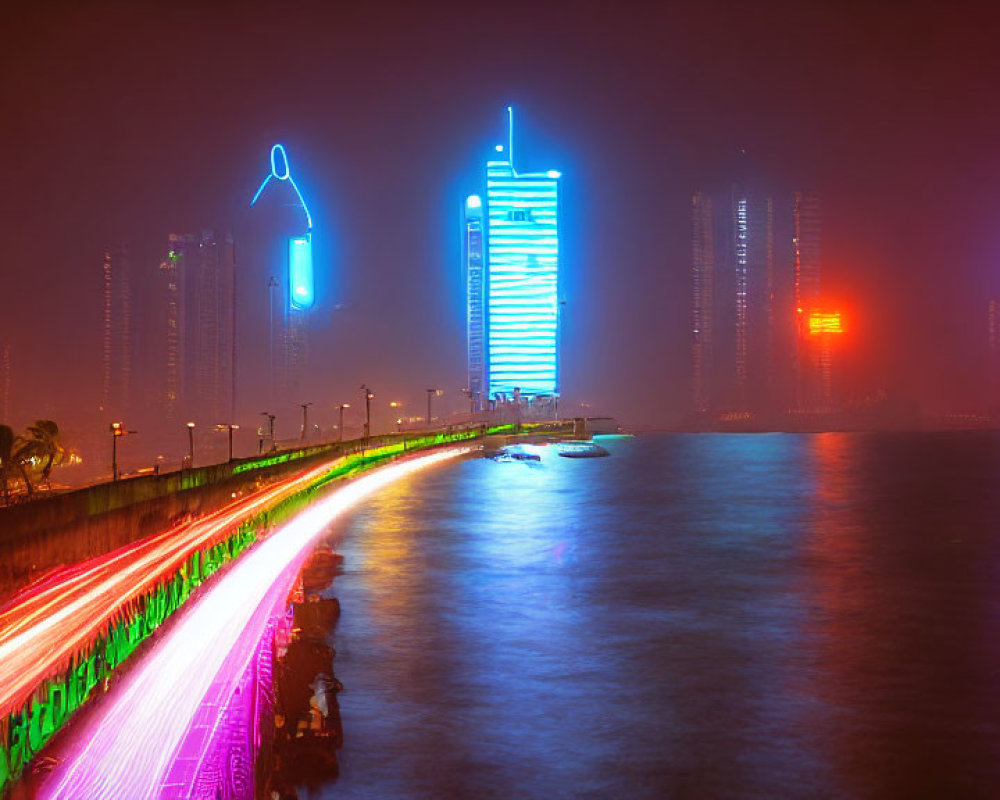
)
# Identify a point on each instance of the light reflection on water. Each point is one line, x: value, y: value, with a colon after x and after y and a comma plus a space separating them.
x: 698, y: 615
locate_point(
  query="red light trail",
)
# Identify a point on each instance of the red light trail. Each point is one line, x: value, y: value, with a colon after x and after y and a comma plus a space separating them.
x: 42, y: 627
x: 141, y: 745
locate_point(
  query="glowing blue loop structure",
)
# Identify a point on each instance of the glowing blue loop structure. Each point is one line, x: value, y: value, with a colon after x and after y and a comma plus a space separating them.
x: 513, y: 281
x: 278, y: 151
x: 301, y: 292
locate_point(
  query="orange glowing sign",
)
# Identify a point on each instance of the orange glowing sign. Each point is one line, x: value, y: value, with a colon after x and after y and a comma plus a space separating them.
x: 824, y: 323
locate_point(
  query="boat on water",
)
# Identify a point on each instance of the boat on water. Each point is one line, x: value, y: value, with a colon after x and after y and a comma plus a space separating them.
x: 515, y: 452
x: 581, y: 450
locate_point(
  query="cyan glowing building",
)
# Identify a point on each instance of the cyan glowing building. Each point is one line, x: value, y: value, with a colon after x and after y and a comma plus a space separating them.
x: 513, y: 280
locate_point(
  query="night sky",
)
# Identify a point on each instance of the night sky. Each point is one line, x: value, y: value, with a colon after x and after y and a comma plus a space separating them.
x: 136, y: 120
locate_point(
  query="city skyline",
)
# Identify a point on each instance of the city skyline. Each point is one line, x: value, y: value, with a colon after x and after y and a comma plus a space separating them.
x: 441, y: 400
x: 384, y: 180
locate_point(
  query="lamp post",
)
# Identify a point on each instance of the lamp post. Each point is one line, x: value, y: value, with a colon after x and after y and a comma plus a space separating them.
x: 305, y: 419
x: 368, y: 409
x: 231, y: 429
x: 340, y: 429
x: 270, y: 423
x: 190, y: 427
x: 430, y: 394
x: 117, y: 429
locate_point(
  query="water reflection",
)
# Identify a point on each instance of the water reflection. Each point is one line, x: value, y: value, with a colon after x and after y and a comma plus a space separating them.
x: 904, y: 610
x: 720, y: 616
x: 275, y: 727
x: 305, y: 730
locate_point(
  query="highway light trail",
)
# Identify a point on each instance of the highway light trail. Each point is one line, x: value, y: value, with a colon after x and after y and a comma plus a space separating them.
x: 140, y: 746
x: 42, y: 627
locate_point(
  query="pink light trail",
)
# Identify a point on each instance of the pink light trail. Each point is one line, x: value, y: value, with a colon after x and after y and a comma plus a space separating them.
x: 140, y: 747
x: 44, y: 625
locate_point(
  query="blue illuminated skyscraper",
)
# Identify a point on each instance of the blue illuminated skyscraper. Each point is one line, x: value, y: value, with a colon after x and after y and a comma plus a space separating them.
x: 513, y: 280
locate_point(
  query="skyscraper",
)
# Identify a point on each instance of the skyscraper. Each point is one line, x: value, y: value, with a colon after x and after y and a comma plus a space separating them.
x: 117, y: 339
x: 811, y: 369
x: 5, y: 383
x: 702, y: 302
x: 172, y: 308
x: 993, y: 356
x: 475, y: 276
x: 199, y: 272
x: 741, y: 264
x: 521, y: 278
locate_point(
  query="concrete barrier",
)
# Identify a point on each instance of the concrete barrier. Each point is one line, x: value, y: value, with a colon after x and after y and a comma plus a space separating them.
x: 70, y: 527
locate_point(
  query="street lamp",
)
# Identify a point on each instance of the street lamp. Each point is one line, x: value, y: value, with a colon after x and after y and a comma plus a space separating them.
x: 430, y: 394
x: 305, y: 419
x: 368, y: 409
x: 190, y: 427
x: 270, y: 423
x: 341, y: 428
x: 231, y: 428
x: 117, y: 429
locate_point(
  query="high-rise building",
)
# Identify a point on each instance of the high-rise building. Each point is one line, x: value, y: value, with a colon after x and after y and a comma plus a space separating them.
x: 993, y: 355
x: 198, y: 307
x: 751, y: 281
x: 741, y: 264
x: 810, y: 366
x: 521, y: 278
x: 475, y: 277
x: 702, y: 301
x: 5, y: 367
x: 173, y: 308
x: 117, y: 344
x: 768, y: 395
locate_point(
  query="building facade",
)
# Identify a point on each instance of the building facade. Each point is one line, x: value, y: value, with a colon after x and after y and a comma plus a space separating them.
x: 5, y: 380
x: 519, y: 283
x: 812, y: 366
x: 197, y: 312
x: 475, y: 278
x: 702, y: 302
x: 117, y: 339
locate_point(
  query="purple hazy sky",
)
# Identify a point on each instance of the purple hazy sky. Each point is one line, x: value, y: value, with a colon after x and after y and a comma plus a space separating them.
x: 139, y: 119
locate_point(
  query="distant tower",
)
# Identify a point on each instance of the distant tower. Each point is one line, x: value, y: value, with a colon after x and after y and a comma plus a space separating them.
x: 702, y: 309
x: 117, y: 339
x: 521, y: 279
x: 199, y: 272
x: 5, y: 383
x: 741, y: 263
x: 475, y: 279
x: 212, y: 339
x: 771, y: 380
x: 993, y: 355
x: 173, y: 307
x: 811, y: 384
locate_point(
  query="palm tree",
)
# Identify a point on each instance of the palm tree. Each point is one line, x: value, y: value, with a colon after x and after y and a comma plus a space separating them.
x: 39, y: 446
x: 6, y: 459
x: 46, y: 433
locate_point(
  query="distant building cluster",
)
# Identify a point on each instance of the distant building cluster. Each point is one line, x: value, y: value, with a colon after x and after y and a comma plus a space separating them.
x: 171, y: 346
x: 174, y: 321
x: 762, y: 334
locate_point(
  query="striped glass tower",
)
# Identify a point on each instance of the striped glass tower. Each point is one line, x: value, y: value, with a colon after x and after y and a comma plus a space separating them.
x: 522, y: 253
